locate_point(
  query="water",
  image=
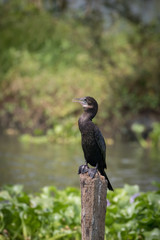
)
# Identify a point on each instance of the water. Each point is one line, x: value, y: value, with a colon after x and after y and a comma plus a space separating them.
x: 36, y: 166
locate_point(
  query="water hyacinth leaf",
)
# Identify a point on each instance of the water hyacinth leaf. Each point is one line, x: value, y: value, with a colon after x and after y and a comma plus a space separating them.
x: 14, y: 190
x: 23, y: 198
x: 137, y: 128
x: 48, y: 190
x: 131, y: 190
x: 4, y: 195
x: 60, y: 235
x: 154, y: 199
x: 55, y: 214
x: 130, y: 211
x: 71, y: 190
x: 1, y: 222
x: 152, y: 235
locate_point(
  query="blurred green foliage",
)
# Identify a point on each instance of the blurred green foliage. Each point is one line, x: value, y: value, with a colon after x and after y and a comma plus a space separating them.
x: 48, y: 60
x: 64, y: 132
x: 55, y: 214
x: 154, y: 136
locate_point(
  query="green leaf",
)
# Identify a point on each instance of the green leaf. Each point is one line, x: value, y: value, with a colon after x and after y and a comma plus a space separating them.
x: 152, y: 235
x: 4, y: 195
x: 131, y: 189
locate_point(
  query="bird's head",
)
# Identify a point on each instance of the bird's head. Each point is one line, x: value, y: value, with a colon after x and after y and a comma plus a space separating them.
x: 89, y: 104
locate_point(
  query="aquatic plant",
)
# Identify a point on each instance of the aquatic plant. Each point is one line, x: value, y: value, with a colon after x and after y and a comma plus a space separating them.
x: 55, y: 214
x: 153, y: 139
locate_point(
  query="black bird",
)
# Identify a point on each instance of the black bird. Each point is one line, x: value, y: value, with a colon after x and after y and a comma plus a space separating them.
x: 93, y: 143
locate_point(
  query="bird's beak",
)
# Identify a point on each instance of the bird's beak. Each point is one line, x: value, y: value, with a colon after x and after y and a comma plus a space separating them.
x: 79, y: 100
x: 82, y: 101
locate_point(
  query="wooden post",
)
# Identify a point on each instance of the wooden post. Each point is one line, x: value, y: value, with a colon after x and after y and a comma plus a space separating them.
x: 93, y: 206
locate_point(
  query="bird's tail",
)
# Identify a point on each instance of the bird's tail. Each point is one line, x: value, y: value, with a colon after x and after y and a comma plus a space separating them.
x: 105, y: 175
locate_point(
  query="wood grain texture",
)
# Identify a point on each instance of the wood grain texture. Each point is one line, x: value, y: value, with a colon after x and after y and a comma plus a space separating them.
x: 93, y: 206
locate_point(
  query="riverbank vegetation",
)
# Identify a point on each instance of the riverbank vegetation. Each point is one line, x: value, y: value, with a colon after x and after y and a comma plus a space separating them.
x: 48, y: 59
x: 55, y: 214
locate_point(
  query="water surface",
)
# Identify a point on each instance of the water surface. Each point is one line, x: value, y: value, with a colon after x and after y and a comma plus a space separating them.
x: 36, y: 166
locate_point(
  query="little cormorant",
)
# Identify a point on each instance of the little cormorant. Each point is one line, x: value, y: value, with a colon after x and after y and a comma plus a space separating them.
x: 93, y: 143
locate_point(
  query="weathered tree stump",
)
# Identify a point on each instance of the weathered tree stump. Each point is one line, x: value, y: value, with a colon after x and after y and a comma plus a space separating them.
x: 93, y: 206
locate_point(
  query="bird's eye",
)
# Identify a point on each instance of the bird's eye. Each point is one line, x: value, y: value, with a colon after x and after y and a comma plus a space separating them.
x: 85, y: 99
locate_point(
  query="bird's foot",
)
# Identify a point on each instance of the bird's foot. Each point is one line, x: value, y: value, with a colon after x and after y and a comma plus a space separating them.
x: 92, y: 172
x: 83, y: 169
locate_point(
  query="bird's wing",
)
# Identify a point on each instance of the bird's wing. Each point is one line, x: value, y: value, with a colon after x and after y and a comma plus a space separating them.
x: 101, y: 143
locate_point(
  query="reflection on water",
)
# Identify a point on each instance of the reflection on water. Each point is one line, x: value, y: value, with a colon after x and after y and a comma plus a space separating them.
x: 36, y: 166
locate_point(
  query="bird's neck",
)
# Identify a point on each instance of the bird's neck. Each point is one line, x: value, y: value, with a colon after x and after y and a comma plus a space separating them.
x: 85, y: 117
